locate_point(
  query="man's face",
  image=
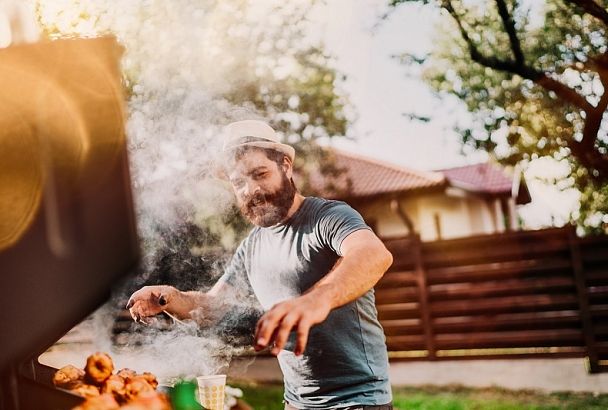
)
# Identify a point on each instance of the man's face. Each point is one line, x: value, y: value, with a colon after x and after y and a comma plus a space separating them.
x: 263, y: 189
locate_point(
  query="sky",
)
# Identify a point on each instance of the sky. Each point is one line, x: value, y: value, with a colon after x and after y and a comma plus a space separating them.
x: 381, y: 91
x: 380, y: 88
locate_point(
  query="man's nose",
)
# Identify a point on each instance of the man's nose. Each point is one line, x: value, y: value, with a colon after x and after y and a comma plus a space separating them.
x: 251, y: 188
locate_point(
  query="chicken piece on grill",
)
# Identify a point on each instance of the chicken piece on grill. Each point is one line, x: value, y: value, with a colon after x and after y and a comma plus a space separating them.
x: 115, y: 385
x: 86, y: 390
x: 126, y: 374
x: 103, y: 402
x: 150, y: 378
x: 136, y: 386
x: 150, y: 400
x: 68, y: 377
x: 99, y: 367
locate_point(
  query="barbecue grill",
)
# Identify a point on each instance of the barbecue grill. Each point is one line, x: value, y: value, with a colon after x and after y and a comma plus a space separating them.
x: 67, y: 230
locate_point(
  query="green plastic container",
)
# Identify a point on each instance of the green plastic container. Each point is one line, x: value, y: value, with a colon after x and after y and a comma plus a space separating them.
x: 183, y: 396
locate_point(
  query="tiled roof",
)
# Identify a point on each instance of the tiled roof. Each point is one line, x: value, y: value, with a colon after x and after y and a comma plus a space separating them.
x: 364, y: 177
x: 484, y: 177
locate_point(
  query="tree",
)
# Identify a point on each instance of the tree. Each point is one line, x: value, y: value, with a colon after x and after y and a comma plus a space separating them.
x: 534, y: 75
x: 191, y: 67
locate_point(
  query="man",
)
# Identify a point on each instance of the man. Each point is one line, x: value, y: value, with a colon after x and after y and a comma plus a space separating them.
x: 312, y: 264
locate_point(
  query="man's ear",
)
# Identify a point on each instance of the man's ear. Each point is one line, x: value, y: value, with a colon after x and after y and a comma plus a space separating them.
x: 287, y: 166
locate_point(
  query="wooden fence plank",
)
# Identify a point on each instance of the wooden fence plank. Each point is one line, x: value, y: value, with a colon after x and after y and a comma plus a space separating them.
x: 521, y: 321
x: 404, y: 331
x: 473, y: 242
x: 585, y: 312
x: 509, y: 287
x: 518, y: 290
x: 439, y: 259
x: 399, y: 311
x: 396, y: 295
x: 423, y: 296
x: 396, y: 343
x: 529, y: 338
x: 597, y: 276
x: 510, y: 304
x: 398, y: 278
x: 504, y: 270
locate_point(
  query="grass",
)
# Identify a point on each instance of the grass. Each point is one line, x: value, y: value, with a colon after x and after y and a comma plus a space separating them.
x: 269, y: 397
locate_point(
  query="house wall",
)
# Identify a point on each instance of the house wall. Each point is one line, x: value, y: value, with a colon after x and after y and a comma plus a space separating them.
x: 457, y: 214
x: 384, y: 221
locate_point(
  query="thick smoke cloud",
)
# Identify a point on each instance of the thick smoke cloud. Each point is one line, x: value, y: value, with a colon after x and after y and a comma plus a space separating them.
x: 180, y: 58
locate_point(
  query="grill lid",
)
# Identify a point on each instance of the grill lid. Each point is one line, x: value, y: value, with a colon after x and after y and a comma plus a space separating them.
x: 67, y: 229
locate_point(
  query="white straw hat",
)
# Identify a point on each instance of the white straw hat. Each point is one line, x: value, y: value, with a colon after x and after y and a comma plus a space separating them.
x: 255, y: 134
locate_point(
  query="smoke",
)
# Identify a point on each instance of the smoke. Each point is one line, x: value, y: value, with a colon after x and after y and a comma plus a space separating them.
x: 171, y: 349
x: 181, y: 57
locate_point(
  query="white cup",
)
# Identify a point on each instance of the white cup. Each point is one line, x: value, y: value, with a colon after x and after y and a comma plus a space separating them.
x: 211, y: 391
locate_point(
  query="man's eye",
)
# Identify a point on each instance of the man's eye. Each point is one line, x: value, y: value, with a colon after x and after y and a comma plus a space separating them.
x: 259, y: 175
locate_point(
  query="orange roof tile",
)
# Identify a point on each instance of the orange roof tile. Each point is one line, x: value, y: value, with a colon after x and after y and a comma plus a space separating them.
x: 484, y: 177
x: 364, y: 177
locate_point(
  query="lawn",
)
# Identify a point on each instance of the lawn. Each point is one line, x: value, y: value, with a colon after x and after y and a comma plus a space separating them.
x: 269, y: 397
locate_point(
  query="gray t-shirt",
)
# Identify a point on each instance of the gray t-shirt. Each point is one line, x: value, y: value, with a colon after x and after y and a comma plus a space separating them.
x: 345, y: 362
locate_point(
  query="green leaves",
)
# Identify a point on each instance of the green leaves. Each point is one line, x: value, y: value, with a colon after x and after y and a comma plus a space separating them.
x: 533, y: 78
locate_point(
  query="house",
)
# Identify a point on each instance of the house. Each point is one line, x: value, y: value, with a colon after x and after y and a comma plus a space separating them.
x: 449, y: 203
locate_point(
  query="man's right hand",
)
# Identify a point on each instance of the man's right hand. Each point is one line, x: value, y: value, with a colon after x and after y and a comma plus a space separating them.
x: 150, y: 301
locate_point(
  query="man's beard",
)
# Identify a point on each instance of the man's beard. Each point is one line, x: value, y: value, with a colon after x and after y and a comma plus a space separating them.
x: 271, y: 208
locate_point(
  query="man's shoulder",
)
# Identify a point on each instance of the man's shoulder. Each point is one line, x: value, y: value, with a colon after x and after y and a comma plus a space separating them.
x: 323, y: 209
x: 317, y: 204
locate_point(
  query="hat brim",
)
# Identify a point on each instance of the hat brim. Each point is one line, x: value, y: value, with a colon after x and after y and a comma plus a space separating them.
x: 277, y: 146
x: 220, y: 170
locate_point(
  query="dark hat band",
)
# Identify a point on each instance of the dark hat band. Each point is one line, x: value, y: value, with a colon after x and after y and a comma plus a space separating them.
x: 251, y: 138
x: 246, y: 140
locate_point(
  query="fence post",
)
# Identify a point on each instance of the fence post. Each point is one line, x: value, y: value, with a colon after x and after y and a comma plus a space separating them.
x: 583, y: 300
x: 423, y: 289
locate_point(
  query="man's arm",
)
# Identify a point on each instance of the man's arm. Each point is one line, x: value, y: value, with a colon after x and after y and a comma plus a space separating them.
x: 204, y: 307
x: 364, y: 261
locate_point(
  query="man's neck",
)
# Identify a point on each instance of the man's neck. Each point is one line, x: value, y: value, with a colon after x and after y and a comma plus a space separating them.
x: 297, y: 202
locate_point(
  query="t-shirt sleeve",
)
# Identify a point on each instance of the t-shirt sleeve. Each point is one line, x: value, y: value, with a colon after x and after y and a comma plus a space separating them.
x: 236, y: 271
x: 336, y: 223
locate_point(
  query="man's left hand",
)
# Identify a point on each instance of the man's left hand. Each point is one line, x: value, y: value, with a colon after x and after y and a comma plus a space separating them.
x: 298, y: 314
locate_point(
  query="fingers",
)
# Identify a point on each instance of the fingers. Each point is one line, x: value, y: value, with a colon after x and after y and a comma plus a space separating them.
x: 287, y: 324
x: 302, y: 338
x: 267, y: 327
x: 264, y: 330
x: 146, y: 302
x: 276, y: 326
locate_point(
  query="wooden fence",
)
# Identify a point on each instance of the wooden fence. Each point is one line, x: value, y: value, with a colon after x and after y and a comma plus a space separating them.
x: 520, y: 294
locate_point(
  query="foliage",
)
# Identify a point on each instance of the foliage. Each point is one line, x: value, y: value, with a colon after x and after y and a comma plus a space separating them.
x: 269, y: 397
x: 533, y: 74
x: 262, y: 397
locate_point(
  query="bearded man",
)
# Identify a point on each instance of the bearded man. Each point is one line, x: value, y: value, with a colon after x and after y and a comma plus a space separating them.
x: 312, y: 264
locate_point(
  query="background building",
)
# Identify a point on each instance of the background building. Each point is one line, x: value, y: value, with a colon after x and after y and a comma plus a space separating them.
x: 450, y: 203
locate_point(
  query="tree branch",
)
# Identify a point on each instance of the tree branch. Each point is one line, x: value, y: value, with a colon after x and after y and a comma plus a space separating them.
x: 585, y: 150
x: 591, y: 7
x: 564, y: 92
x: 593, y: 121
x: 509, y: 26
x: 561, y: 90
